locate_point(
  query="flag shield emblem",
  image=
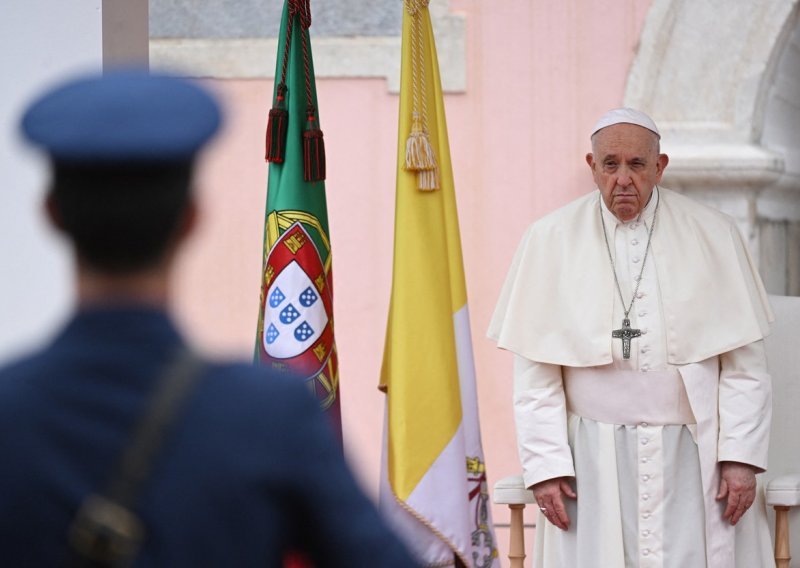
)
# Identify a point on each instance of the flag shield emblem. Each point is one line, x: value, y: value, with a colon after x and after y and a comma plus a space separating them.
x: 292, y: 323
x: 297, y: 331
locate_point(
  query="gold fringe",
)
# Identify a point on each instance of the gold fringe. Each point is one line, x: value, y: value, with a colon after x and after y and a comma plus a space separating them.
x: 428, y: 180
x: 419, y: 152
x: 425, y: 522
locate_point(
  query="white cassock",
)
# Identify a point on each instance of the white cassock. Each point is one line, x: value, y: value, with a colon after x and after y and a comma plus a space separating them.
x: 642, y: 436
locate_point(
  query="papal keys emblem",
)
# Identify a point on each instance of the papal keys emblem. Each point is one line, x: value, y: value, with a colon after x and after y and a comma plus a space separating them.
x: 296, y: 332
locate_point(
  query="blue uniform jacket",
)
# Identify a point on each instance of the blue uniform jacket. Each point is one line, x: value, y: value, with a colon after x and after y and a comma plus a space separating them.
x: 249, y: 469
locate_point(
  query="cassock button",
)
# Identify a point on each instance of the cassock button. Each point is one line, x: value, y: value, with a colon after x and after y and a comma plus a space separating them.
x: 635, y: 242
x: 636, y: 259
x: 646, y: 477
x: 645, y: 497
x: 645, y: 441
x: 642, y: 313
x: 646, y: 551
x: 644, y: 424
x: 646, y: 515
x: 645, y: 460
x: 646, y: 532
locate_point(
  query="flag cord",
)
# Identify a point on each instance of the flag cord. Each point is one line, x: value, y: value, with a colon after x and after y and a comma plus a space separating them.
x: 420, y: 157
x: 286, y: 48
x: 429, y: 525
x: 313, y: 144
x: 303, y: 11
x: 279, y: 116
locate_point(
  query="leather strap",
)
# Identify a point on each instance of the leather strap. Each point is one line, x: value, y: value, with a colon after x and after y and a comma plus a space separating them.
x: 106, y: 531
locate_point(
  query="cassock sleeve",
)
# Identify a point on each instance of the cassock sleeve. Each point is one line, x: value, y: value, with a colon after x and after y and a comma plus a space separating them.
x: 745, y: 406
x: 540, y: 413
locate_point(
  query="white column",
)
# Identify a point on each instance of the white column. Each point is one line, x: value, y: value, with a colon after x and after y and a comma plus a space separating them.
x: 41, y: 42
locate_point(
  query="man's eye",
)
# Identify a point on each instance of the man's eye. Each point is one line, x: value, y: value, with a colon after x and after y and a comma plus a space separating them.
x: 610, y: 165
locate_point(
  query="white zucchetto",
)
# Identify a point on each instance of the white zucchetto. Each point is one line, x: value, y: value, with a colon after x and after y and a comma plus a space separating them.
x: 628, y: 116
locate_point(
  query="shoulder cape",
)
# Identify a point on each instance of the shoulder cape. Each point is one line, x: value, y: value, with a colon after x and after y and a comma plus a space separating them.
x: 557, y: 302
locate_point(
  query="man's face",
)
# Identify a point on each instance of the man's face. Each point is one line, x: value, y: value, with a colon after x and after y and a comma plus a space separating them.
x: 626, y: 165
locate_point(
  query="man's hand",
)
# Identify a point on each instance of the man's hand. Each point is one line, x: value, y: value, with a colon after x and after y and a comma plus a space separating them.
x: 548, y: 496
x: 738, y: 484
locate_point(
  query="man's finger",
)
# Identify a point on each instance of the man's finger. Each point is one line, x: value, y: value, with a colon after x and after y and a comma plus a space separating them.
x: 733, y: 503
x: 549, y: 511
x: 568, y: 491
x: 744, y: 504
x: 723, y: 489
x: 737, y: 514
x: 560, y: 517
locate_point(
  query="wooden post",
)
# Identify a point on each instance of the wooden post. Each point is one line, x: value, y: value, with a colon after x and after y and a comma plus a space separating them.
x: 782, y: 556
x: 516, y: 548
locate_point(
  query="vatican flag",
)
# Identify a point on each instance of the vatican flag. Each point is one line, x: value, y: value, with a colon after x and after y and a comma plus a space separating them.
x: 433, y: 484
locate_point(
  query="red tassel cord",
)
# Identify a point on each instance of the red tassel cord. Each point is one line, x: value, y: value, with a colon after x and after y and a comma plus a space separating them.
x: 278, y: 121
x: 313, y: 144
x: 276, y: 128
x: 313, y: 150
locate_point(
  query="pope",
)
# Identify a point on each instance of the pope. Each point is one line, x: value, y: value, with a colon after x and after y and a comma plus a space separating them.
x: 641, y: 396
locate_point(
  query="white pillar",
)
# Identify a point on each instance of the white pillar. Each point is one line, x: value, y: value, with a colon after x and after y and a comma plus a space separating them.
x: 41, y: 42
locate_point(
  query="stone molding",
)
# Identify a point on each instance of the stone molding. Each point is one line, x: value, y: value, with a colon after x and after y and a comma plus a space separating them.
x: 706, y: 86
x: 334, y: 57
x: 706, y: 72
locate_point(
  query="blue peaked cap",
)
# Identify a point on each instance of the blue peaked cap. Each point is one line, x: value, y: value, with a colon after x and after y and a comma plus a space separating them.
x: 125, y: 115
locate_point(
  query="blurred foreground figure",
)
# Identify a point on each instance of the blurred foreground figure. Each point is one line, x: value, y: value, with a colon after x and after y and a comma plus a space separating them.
x: 641, y: 394
x: 115, y: 437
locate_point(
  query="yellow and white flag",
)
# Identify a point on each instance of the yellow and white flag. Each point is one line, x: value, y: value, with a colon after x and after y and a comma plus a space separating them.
x: 433, y: 484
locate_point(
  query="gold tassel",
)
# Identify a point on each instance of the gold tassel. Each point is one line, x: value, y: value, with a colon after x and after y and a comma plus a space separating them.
x: 420, y: 157
x: 428, y: 180
x: 419, y: 153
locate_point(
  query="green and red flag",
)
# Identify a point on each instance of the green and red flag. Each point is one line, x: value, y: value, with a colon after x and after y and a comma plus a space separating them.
x: 295, y: 320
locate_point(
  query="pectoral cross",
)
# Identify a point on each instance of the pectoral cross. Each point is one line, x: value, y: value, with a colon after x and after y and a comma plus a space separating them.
x: 626, y: 333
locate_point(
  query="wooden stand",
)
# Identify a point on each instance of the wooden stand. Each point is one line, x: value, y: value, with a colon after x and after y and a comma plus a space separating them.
x: 782, y: 556
x: 516, y: 549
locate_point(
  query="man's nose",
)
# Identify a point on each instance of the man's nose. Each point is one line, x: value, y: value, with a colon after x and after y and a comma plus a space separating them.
x: 623, y: 177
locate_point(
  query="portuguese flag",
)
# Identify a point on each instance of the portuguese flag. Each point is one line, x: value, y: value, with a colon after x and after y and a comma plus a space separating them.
x: 295, y: 320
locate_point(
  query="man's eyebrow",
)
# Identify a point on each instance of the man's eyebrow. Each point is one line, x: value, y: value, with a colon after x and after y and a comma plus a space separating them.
x: 616, y: 157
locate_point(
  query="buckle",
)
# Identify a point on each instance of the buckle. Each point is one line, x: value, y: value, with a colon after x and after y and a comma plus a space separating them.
x: 106, y: 532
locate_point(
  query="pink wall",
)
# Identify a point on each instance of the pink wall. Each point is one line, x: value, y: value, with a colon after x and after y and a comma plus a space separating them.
x: 539, y: 74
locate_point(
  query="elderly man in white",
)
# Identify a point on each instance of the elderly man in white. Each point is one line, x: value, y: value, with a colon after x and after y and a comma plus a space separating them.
x: 641, y: 395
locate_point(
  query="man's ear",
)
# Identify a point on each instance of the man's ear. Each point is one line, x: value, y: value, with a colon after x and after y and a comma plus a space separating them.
x: 189, y: 218
x: 663, y: 160
x: 590, y: 160
x: 661, y: 165
x: 52, y: 212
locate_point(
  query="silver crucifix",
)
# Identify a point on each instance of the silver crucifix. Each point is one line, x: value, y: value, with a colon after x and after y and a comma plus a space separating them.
x: 626, y: 333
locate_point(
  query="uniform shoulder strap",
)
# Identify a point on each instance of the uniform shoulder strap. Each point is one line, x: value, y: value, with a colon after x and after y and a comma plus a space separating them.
x: 105, y: 530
